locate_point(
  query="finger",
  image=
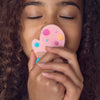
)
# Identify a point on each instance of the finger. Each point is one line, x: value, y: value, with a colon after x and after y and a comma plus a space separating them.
x: 32, y: 61
x: 68, y: 55
x: 58, y: 60
x: 66, y: 81
x: 48, y: 57
x: 62, y: 68
x: 72, y: 91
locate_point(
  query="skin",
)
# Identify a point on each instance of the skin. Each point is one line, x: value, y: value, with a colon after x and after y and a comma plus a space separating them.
x: 53, y: 84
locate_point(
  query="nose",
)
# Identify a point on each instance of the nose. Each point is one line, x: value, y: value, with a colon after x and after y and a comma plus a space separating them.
x: 52, y: 19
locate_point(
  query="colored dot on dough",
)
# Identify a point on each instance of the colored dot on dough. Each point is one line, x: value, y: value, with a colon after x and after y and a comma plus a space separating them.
x: 46, y: 32
x: 56, y: 42
x: 37, y: 60
x: 36, y: 44
x: 46, y: 40
x: 60, y: 37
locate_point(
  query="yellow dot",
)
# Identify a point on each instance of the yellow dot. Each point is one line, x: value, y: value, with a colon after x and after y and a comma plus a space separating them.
x: 60, y: 37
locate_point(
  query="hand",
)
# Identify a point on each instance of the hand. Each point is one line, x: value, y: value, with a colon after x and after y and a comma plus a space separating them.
x: 68, y: 74
x: 39, y: 87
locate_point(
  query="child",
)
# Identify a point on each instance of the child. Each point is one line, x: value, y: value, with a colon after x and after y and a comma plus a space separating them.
x: 21, y: 22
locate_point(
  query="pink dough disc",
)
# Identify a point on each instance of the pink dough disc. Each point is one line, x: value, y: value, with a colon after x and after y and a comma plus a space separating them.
x: 51, y: 36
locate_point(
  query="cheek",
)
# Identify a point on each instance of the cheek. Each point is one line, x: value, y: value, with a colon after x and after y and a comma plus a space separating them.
x: 30, y: 31
x: 27, y: 37
x: 73, y: 37
x: 75, y: 42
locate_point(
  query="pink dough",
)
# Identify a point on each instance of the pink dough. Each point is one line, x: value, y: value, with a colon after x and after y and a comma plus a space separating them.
x: 51, y: 36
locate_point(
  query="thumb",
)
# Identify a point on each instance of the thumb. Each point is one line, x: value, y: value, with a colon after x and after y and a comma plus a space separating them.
x: 32, y: 61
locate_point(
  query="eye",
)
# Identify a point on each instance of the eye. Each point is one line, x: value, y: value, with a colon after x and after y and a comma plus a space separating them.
x: 37, y: 17
x: 67, y: 17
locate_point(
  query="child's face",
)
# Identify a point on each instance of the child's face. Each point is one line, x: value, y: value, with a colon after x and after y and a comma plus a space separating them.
x: 52, y: 12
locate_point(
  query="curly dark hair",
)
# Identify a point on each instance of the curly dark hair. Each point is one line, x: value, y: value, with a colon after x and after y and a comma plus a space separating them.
x: 13, y: 61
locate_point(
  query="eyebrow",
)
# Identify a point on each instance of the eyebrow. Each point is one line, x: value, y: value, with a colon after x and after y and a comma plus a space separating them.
x: 63, y: 3
x: 35, y: 3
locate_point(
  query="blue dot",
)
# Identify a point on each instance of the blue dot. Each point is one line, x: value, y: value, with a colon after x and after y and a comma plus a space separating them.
x: 37, y: 60
x: 46, y: 40
x: 36, y: 44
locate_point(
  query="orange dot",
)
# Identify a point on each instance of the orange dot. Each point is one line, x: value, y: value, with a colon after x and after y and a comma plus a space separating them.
x: 60, y: 37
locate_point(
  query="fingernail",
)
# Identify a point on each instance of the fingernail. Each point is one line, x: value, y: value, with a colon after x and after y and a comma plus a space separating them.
x: 41, y: 64
x: 45, y: 74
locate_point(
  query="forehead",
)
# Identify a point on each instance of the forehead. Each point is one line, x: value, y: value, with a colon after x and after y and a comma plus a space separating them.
x: 75, y: 3
x: 78, y: 2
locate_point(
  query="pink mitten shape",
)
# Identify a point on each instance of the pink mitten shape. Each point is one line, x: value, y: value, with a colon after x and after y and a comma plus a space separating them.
x: 51, y: 36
